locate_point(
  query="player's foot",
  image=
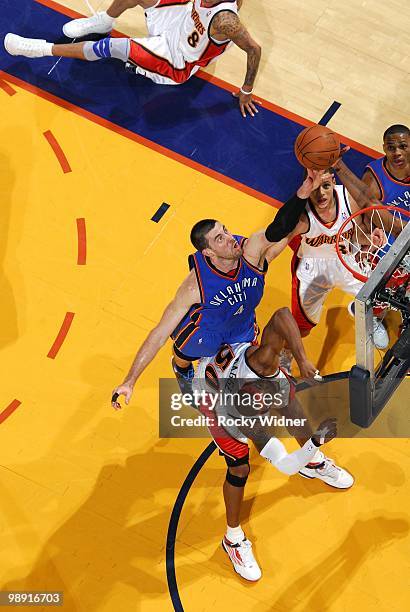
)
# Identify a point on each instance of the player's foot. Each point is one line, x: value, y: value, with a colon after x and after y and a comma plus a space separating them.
x: 184, y: 377
x: 243, y: 561
x: 285, y: 360
x: 29, y: 47
x: 380, y: 334
x: 99, y: 23
x: 330, y: 473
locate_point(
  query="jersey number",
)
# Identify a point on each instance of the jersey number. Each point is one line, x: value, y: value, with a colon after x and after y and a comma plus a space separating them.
x: 222, y: 359
x: 193, y: 40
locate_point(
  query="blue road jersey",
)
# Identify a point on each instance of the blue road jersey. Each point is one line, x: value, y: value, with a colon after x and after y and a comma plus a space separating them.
x: 392, y: 191
x: 226, y: 313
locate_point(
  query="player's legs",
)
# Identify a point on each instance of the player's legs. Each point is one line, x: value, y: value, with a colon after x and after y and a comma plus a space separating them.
x: 262, y: 361
x: 118, y: 7
x: 117, y: 48
x: 235, y: 543
x: 102, y: 22
x: 236, y: 453
x: 349, y: 284
x: 309, y: 290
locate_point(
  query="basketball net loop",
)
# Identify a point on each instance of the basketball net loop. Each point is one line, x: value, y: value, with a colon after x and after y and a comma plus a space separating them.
x: 361, y: 245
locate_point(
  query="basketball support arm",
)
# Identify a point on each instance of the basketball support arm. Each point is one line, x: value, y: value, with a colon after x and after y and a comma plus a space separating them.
x: 370, y: 390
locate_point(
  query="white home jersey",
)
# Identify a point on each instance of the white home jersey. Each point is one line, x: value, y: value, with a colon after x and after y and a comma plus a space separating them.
x: 320, y: 240
x: 179, y: 41
x: 229, y: 369
x: 195, y: 40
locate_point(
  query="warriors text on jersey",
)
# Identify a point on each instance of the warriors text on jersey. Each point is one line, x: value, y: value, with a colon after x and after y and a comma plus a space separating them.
x: 320, y: 239
x: 393, y: 192
x: 179, y: 41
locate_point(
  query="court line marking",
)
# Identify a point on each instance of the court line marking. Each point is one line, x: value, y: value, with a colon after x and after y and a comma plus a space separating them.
x: 141, y: 140
x: 61, y: 336
x: 331, y: 111
x: 58, y: 151
x: 157, y: 216
x: 82, y: 242
x: 9, y: 410
x: 183, y: 493
x: 173, y: 524
x: 7, y: 88
x: 279, y: 110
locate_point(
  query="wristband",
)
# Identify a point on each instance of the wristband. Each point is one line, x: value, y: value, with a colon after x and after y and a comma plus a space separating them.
x: 246, y: 92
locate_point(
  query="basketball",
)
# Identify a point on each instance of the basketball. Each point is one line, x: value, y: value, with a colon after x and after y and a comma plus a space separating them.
x: 317, y: 147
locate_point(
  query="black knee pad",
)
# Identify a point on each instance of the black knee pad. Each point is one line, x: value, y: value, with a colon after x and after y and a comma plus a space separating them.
x: 237, y: 481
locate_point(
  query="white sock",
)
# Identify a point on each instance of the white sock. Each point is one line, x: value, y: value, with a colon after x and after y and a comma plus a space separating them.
x: 107, y: 19
x: 234, y: 534
x: 317, y: 457
x: 48, y: 49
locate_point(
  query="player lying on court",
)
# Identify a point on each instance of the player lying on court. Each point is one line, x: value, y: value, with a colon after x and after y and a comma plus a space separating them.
x: 183, y: 36
x: 229, y: 370
x: 316, y: 268
x: 216, y: 302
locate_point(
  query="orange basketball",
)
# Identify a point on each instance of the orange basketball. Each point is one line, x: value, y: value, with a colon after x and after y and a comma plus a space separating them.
x: 317, y: 147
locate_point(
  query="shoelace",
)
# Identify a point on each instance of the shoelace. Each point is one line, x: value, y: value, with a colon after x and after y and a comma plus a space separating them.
x: 245, y: 549
x: 329, y: 469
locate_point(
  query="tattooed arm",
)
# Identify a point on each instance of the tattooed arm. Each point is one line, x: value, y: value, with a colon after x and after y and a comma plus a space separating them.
x: 227, y: 25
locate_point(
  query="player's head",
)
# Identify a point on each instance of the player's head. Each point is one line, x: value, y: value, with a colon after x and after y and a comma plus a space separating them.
x: 396, y: 145
x: 322, y: 197
x: 211, y: 238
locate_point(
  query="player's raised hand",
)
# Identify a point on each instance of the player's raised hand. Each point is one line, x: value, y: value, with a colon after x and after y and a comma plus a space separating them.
x: 126, y: 390
x: 312, y: 181
x: 246, y: 103
x: 343, y: 151
x: 326, y: 431
x: 378, y: 237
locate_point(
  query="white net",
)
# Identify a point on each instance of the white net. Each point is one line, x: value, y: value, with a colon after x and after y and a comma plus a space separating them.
x: 366, y: 238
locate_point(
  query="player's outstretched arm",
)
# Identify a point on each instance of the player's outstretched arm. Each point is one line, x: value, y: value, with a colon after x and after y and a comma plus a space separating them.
x: 283, y: 324
x: 364, y: 196
x: 281, y: 327
x: 360, y: 192
x: 228, y: 25
x: 186, y: 296
x: 288, y: 222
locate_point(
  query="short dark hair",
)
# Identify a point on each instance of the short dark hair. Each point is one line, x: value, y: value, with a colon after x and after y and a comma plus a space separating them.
x: 396, y: 129
x: 199, y: 232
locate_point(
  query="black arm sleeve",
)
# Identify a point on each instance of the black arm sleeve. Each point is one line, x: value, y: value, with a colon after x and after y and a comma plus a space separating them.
x: 286, y: 219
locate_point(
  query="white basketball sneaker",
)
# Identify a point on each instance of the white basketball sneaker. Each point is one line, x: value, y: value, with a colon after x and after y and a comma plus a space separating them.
x: 380, y: 334
x: 243, y: 561
x: 330, y: 473
x: 29, y: 47
x: 99, y: 23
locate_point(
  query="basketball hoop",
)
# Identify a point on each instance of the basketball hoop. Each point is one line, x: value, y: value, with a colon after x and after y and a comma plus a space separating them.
x: 361, y: 246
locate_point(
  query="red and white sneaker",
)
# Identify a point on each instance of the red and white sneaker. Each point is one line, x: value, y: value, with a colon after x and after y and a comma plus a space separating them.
x: 330, y: 473
x: 243, y: 561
